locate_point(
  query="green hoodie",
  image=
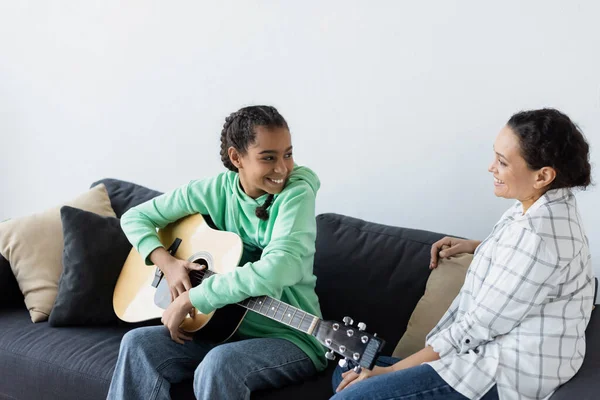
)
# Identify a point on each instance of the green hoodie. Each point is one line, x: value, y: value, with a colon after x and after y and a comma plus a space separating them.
x: 284, y: 271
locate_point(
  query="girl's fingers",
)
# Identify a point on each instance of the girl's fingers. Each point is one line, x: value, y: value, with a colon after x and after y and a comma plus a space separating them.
x: 185, y: 335
x: 194, y: 266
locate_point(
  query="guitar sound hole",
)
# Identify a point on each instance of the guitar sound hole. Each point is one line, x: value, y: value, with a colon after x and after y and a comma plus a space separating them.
x: 196, y: 277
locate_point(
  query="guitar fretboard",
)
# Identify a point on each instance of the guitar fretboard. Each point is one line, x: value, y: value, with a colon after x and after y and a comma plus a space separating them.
x: 277, y: 310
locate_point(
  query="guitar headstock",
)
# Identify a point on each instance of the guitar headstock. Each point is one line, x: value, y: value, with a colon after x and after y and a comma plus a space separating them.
x: 349, y: 341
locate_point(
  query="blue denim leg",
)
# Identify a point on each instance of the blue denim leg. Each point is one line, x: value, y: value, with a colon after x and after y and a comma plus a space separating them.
x: 420, y: 382
x: 233, y: 370
x: 149, y: 361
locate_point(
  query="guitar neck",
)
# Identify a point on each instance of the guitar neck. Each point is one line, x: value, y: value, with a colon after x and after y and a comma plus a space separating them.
x: 279, y: 311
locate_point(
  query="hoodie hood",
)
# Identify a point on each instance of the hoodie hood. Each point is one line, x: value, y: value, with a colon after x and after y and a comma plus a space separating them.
x: 305, y: 174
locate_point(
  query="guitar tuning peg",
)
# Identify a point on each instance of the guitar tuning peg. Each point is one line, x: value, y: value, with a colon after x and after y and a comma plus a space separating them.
x: 362, y: 326
x: 343, y: 362
x: 348, y: 321
x: 330, y: 355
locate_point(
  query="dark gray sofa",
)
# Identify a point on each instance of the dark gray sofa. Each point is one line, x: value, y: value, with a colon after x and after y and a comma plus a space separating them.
x: 371, y: 272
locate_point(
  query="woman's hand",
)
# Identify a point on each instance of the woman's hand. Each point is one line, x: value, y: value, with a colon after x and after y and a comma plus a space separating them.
x: 174, y: 316
x: 449, y: 246
x: 350, y: 377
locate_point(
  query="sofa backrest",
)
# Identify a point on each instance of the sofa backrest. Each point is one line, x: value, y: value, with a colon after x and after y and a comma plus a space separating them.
x: 373, y: 273
x: 124, y: 195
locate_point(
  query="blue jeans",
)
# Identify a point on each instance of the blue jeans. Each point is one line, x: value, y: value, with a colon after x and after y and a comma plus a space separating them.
x: 150, y: 361
x: 420, y: 382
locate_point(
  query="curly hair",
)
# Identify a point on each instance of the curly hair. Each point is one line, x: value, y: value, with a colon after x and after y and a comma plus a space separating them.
x: 238, y: 132
x: 548, y: 138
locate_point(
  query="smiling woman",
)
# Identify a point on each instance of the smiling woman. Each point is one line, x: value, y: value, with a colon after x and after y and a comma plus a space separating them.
x: 517, y: 327
x: 537, y: 151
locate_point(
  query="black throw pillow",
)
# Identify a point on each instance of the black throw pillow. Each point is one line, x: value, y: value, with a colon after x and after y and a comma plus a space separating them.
x: 95, y: 249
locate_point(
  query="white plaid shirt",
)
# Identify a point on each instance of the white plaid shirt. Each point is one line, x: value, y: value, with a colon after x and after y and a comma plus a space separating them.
x: 519, y: 320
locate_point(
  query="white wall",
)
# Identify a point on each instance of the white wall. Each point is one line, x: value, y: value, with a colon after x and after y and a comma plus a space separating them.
x: 394, y: 104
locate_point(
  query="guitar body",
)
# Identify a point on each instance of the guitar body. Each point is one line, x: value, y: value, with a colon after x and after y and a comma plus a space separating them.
x: 136, y: 300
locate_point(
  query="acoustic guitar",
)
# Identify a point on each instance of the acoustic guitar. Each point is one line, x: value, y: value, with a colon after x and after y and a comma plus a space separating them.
x: 142, y: 294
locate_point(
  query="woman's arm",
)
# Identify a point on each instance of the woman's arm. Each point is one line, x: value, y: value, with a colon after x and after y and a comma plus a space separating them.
x: 449, y: 246
x: 522, y: 274
x: 422, y: 356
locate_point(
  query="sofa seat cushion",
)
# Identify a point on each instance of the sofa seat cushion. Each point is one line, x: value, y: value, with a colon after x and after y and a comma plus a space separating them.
x: 38, y: 361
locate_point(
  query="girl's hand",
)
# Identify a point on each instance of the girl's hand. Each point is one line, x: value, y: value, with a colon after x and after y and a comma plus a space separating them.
x: 350, y: 377
x: 177, y: 274
x: 449, y: 246
x: 174, y: 316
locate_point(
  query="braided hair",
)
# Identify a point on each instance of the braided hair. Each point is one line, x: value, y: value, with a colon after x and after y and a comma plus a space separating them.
x: 238, y: 132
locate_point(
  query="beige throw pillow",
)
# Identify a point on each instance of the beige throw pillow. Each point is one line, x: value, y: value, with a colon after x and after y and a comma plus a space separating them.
x: 442, y: 287
x: 33, y: 246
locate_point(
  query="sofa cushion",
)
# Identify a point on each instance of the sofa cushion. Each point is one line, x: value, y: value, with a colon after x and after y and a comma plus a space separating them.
x: 124, y: 195
x: 95, y: 250
x: 33, y: 245
x: 373, y: 273
x: 38, y: 361
x: 443, y: 286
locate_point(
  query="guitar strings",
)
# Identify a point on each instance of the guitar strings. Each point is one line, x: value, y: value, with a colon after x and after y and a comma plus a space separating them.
x: 202, y: 273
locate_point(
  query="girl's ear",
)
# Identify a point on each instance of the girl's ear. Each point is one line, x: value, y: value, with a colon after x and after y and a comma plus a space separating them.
x: 235, y: 157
